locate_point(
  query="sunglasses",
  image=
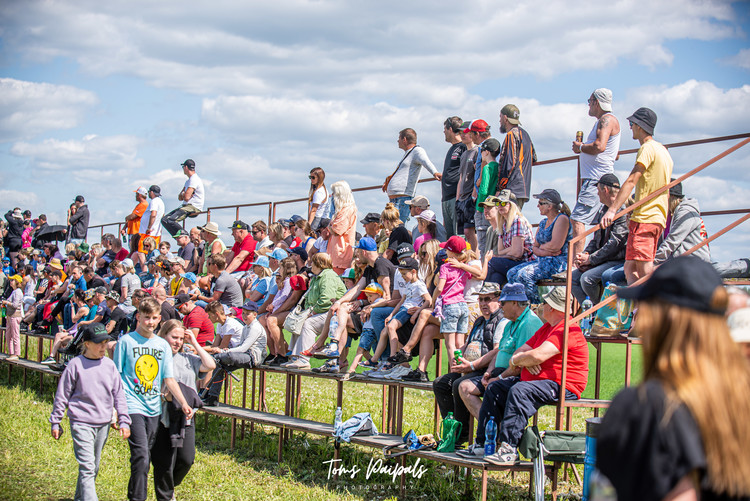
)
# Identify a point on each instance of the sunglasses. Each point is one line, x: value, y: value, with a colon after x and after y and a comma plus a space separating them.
x: 542, y: 202
x: 311, y: 177
x: 503, y: 204
x: 486, y: 299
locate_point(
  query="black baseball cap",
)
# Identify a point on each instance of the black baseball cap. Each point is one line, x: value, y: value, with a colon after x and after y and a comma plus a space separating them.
x: 645, y: 118
x: 95, y: 332
x: 551, y: 195
x: 371, y: 217
x: 189, y: 164
x: 300, y: 251
x: 404, y: 250
x: 684, y: 281
x: 80, y: 198
x: 609, y: 180
x: 155, y: 188
x: 181, y: 299
x: 239, y: 225
x: 408, y: 263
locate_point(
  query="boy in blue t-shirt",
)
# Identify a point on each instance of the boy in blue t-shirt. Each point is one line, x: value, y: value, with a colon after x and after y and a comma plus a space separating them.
x: 144, y: 362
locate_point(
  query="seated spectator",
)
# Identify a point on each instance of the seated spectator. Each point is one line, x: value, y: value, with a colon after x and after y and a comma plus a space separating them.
x: 418, y: 205
x: 275, y: 257
x: 324, y: 235
x: 92, y: 279
x: 535, y: 381
x: 427, y: 227
x: 686, y: 229
x: 28, y: 288
x: 121, y: 253
x: 128, y: 282
x: 168, y: 311
x: 261, y: 286
x: 259, y: 230
x: 305, y: 234
x: 195, y: 318
x: 228, y: 329
x: 342, y: 227
x: 396, y: 231
x: 739, y: 268
x: 515, y: 242
x: 249, y: 351
x: 147, y: 252
x: 242, y: 254
x: 290, y: 288
x: 606, y: 250
x: 478, y: 353
x: 368, y: 339
x: 520, y: 324
x: 187, y: 251
x: 325, y: 288
x: 276, y: 233
x: 188, y: 285
x: 83, y: 309
x: 225, y: 289
x: 550, y: 245
x: 371, y: 224
x: 165, y: 249
x: 213, y: 244
x: 175, y: 269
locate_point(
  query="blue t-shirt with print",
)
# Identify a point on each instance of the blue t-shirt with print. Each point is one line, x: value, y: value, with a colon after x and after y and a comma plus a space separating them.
x: 262, y: 285
x: 143, y: 364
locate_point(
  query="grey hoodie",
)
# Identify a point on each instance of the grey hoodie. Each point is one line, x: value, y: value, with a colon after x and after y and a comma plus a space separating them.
x: 684, y: 233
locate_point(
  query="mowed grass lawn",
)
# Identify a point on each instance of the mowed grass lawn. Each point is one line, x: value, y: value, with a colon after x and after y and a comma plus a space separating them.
x: 34, y: 466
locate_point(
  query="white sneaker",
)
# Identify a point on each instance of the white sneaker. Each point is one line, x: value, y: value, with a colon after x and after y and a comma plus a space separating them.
x: 505, y: 455
x: 473, y: 451
x: 398, y: 372
x: 49, y: 361
x: 380, y: 373
x: 300, y: 364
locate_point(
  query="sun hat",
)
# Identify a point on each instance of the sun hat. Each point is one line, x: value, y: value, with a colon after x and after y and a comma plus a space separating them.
x: 513, y: 292
x: 556, y: 298
x: 210, y: 227
x: 645, y: 118
x: 55, y: 263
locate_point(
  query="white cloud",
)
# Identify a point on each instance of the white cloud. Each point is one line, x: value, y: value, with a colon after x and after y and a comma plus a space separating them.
x: 29, y: 108
x: 15, y: 198
x: 741, y: 59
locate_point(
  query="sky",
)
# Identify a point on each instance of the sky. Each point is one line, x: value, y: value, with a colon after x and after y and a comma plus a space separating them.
x: 97, y: 98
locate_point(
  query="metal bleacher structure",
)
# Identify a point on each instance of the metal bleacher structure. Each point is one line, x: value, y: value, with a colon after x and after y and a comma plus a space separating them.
x: 255, y: 412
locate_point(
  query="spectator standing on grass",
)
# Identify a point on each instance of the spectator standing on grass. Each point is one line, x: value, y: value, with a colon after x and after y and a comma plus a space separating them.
x: 14, y: 315
x: 401, y: 186
x: 133, y: 220
x: 451, y: 173
x: 144, y: 362
x: 597, y: 157
x: 79, y: 222
x: 652, y: 171
x: 89, y: 388
x: 192, y: 197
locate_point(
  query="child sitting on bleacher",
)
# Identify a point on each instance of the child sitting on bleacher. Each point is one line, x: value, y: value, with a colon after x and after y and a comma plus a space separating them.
x: 368, y: 338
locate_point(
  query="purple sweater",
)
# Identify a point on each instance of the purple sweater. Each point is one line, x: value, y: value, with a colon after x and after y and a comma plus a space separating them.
x: 89, y: 389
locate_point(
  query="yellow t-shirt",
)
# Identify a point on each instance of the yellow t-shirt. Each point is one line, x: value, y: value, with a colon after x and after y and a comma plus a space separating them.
x: 655, y: 157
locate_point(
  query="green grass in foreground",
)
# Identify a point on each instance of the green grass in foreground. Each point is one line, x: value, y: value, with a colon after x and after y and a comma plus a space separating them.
x: 34, y: 466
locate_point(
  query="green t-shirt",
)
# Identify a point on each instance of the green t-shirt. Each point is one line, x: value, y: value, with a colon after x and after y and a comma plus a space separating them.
x: 515, y: 335
x: 488, y: 184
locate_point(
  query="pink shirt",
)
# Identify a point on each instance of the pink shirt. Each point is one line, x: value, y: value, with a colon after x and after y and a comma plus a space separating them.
x: 420, y: 240
x: 455, y: 282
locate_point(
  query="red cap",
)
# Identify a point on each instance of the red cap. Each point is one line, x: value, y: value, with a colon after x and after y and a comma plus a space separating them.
x: 298, y: 283
x: 478, y: 126
x: 454, y: 244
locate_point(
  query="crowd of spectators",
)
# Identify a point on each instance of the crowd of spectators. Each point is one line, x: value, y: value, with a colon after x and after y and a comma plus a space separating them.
x: 470, y: 280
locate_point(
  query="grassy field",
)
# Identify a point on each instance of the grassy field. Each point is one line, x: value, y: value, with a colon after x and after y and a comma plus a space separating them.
x: 34, y: 466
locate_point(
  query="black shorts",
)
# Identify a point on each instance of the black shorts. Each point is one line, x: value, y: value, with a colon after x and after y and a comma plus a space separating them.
x: 465, y: 210
x: 357, y: 323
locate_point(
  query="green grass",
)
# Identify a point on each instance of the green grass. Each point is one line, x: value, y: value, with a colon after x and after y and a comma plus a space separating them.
x: 34, y: 466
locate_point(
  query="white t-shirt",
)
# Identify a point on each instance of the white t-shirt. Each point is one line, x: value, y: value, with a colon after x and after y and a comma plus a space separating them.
x: 413, y: 292
x: 321, y: 244
x: 321, y: 198
x: 472, y: 285
x: 155, y: 204
x: 232, y: 327
x: 197, y: 199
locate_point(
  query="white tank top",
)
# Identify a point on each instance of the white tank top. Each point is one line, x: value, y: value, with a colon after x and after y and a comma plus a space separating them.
x: 595, y: 166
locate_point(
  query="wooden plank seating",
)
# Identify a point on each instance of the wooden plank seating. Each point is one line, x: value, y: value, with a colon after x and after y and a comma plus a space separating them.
x: 31, y: 365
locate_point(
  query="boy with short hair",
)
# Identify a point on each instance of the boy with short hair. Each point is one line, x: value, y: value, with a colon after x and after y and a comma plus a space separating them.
x: 144, y: 362
x: 369, y: 338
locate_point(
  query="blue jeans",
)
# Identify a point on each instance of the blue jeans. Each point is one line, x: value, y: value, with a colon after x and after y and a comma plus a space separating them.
x: 497, y: 269
x: 403, y: 209
x: 615, y: 276
x: 378, y: 324
x: 589, y: 283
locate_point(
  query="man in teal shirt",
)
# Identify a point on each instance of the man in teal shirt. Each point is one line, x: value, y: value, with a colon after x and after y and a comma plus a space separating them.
x: 523, y: 323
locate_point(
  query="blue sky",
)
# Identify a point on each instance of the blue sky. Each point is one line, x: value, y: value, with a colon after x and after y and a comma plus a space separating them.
x: 99, y: 97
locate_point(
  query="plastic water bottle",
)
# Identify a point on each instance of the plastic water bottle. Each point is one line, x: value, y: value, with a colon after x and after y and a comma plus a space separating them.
x: 337, y: 419
x: 586, y: 321
x: 333, y: 326
x: 490, y: 436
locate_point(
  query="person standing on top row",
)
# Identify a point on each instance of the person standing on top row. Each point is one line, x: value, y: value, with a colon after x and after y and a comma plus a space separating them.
x: 516, y: 158
x: 192, y: 197
x: 402, y: 184
x: 597, y: 158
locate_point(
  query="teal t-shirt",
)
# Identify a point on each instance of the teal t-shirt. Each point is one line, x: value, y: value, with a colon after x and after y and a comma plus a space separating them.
x: 515, y: 335
x: 488, y: 184
x: 143, y: 363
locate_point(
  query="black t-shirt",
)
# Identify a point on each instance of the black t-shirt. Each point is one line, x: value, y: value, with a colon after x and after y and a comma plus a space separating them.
x: 451, y: 171
x: 108, y: 256
x: 121, y: 320
x: 398, y: 236
x: 645, y: 455
x: 96, y: 282
x: 381, y: 268
x: 168, y: 312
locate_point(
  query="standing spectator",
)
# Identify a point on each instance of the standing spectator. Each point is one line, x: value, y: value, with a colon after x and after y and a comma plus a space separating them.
x: 652, y: 171
x: 319, y: 202
x: 133, y: 220
x: 150, y: 226
x: 192, y: 196
x: 597, y: 158
x: 517, y: 157
x: 465, y: 202
x: 41, y: 223
x: 14, y: 314
x: 685, y: 230
x: 402, y: 184
x: 343, y: 227
x: 79, y: 222
x: 486, y: 183
x: 241, y: 256
x: 13, y: 240
x: 186, y: 249
x: 417, y: 205
x: 451, y: 172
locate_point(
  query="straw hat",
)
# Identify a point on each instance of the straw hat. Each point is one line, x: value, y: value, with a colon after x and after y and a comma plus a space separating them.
x: 211, y: 228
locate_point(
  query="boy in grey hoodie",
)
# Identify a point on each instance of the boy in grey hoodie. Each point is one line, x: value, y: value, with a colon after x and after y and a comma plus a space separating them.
x: 685, y: 230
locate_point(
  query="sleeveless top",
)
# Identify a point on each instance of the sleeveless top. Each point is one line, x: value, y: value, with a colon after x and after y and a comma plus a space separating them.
x: 595, y: 166
x: 208, y: 249
x: 544, y: 234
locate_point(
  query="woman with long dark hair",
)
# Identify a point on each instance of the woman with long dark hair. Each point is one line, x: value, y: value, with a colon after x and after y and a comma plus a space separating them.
x: 319, y: 201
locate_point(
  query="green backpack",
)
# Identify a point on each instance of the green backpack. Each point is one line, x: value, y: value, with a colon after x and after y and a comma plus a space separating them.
x: 450, y: 430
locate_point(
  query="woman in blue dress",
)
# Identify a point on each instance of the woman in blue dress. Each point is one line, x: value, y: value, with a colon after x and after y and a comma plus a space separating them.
x: 550, y: 245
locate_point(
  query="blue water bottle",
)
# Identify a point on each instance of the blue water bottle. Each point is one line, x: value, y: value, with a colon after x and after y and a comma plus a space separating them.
x: 589, y: 462
x: 490, y: 436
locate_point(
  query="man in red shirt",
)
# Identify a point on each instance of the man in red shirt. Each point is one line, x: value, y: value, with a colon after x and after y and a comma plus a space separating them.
x: 536, y: 381
x: 195, y: 318
x: 241, y: 257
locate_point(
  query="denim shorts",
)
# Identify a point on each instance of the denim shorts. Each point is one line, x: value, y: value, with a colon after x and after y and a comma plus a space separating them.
x: 455, y: 318
x: 368, y: 340
x: 402, y: 316
x: 588, y: 204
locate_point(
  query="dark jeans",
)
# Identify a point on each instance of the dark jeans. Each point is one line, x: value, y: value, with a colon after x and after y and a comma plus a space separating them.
x: 142, y: 438
x: 171, y: 465
x: 512, y: 402
x: 446, y: 393
x: 228, y: 361
x: 171, y: 221
x: 498, y: 267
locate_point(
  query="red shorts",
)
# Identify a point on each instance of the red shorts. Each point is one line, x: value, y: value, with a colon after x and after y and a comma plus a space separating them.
x: 642, y: 241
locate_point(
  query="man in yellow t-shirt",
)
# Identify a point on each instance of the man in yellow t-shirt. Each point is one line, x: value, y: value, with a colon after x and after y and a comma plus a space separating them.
x: 133, y: 220
x: 652, y: 171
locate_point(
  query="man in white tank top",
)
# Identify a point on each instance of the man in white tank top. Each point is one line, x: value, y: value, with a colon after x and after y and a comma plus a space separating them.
x: 598, y: 153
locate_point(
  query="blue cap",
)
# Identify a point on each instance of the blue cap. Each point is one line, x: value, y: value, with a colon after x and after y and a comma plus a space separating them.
x: 189, y: 276
x: 262, y: 261
x: 279, y: 254
x: 6, y: 258
x: 367, y: 244
x: 296, y: 218
x: 513, y: 292
x: 250, y: 305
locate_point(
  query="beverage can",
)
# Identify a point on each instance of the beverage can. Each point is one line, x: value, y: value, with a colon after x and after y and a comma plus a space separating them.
x: 457, y: 354
x: 579, y: 136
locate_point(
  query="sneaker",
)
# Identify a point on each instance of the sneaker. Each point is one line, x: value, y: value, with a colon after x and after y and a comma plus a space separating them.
x: 327, y: 353
x: 299, y: 364
x: 12, y: 357
x: 416, y: 376
x: 398, y: 372
x: 379, y: 373
x: 400, y: 357
x: 49, y: 361
x: 473, y: 451
x: 24, y: 327
x: 505, y: 455
x: 211, y: 401
x: 268, y: 359
x: 330, y: 367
